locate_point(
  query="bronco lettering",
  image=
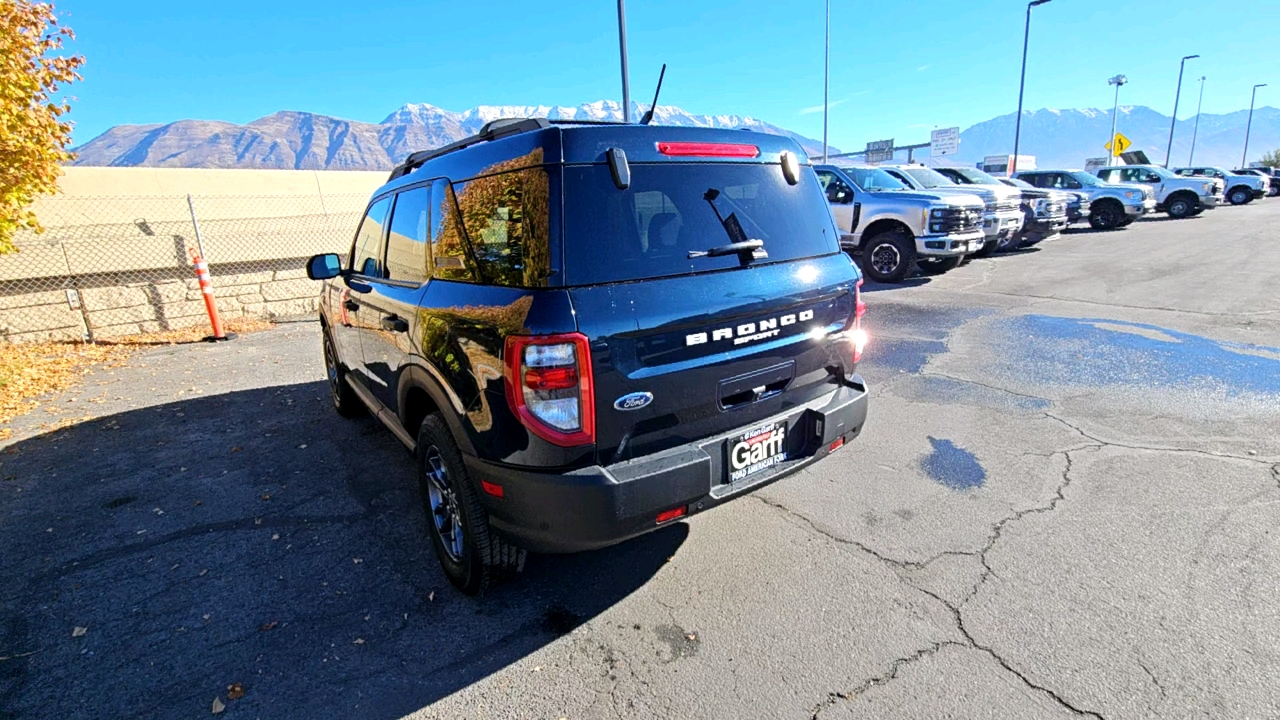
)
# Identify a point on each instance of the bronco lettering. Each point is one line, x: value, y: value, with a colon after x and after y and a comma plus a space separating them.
x: 750, y: 332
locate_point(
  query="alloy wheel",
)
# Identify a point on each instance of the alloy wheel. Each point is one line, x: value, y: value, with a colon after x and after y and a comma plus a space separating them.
x: 331, y: 369
x: 446, y: 518
x: 885, y: 258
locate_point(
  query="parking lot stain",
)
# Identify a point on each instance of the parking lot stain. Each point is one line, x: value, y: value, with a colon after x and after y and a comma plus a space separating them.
x: 1085, y: 351
x: 682, y: 643
x: 952, y: 466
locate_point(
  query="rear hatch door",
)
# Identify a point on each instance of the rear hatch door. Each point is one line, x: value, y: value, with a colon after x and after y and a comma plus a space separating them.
x: 683, y: 347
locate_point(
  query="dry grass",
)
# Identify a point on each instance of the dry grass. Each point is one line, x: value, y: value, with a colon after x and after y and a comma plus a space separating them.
x: 31, y: 370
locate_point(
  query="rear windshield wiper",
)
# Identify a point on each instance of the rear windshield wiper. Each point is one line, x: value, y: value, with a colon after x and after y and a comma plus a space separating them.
x: 747, y: 249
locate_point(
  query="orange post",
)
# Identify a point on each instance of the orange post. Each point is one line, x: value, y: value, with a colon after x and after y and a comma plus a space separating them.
x: 206, y: 289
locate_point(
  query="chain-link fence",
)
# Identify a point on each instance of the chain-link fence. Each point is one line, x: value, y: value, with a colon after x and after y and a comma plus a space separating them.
x: 110, y: 266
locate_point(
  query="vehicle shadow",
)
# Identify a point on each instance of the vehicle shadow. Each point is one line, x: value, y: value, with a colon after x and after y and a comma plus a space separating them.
x: 255, y: 543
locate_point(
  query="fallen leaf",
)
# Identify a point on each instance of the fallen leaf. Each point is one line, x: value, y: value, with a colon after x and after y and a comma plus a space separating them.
x: 218, y: 706
x: 358, y: 641
x: 79, y: 631
x: 431, y: 596
x: 302, y: 446
x: 692, y: 636
x: 357, y: 561
x: 236, y: 449
x: 271, y: 625
x: 276, y: 536
x: 537, y: 668
x: 265, y: 496
x: 204, y: 572
x: 235, y: 691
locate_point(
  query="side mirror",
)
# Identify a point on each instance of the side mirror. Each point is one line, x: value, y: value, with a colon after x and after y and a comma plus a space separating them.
x: 323, y: 267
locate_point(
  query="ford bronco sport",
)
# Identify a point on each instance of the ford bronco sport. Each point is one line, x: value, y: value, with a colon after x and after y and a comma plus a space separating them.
x: 587, y: 331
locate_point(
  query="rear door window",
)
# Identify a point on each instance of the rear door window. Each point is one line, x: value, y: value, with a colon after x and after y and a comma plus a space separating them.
x: 407, y: 240
x: 673, y: 209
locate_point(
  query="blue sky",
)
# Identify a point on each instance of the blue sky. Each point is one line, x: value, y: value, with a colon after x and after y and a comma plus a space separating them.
x: 898, y: 69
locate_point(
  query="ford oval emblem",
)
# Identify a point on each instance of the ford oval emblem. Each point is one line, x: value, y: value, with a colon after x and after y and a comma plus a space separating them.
x: 633, y: 401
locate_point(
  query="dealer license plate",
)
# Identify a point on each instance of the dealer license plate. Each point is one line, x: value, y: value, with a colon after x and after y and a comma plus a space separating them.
x: 756, y: 450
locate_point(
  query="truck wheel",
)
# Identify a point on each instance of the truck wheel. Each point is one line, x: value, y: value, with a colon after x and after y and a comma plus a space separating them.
x: 344, y: 399
x: 1106, y: 215
x: 1180, y: 206
x: 937, y: 266
x: 889, y: 256
x: 472, y: 556
x: 1239, y: 195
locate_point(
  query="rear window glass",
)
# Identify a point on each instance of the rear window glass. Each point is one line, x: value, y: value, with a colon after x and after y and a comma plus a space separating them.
x: 506, y: 217
x: 672, y: 209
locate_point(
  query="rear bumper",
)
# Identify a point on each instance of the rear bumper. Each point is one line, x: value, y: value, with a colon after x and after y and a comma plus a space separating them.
x: 599, y: 506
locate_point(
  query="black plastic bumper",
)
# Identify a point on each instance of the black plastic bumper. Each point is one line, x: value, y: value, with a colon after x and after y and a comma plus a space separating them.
x: 599, y: 506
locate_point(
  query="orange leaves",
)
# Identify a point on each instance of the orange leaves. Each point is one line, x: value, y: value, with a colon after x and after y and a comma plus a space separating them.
x: 33, y: 141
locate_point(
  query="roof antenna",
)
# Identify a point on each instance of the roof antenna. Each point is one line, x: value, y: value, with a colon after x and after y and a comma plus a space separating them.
x: 648, y: 114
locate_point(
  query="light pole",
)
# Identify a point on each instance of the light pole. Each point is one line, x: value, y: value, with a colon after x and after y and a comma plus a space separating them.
x: 1118, y: 80
x: 1244, y: 160
x: 622, y: 49
x: 826, y: 82
x: 1022, y: 83
x: 1191, y: 158
x: 1176, y: 96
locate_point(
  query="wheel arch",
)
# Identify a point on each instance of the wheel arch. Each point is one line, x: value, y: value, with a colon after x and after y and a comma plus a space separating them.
x: 420, y: 394
x: 885, y: 225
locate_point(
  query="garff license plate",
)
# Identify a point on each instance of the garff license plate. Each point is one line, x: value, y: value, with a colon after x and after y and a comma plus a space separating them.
x: 756, y: 450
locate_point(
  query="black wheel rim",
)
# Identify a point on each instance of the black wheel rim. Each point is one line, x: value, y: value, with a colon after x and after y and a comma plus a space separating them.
x: 331, y: 369
x: 1178, y: 208
x: 446, y: 520
x: 1237, y: 198
x: 885, y: 258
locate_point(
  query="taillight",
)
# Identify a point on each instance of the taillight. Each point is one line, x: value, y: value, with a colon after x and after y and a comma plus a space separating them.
x: 858, y: 336
x: 549, y: 388
x: 706, y: 149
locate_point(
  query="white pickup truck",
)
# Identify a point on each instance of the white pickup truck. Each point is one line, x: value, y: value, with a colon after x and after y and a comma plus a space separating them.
x: 1179, y: 196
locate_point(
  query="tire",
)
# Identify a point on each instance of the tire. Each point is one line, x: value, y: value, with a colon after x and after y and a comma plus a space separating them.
x: 472, y: 556
x: 889, y: 256
x: 1127, y: 221
x: 1180, y: 206
x: 937, y: 266
x: 1239, y: 195
x: 1106, y: 215
x: 344, y: 399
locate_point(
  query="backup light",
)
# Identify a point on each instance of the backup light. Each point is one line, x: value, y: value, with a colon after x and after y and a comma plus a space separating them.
x: 704, y: 149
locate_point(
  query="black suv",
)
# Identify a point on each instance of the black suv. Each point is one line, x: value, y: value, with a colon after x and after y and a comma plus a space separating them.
x: 587, y: 331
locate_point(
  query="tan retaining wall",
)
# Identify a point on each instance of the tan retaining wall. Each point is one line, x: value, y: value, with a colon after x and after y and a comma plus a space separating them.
x: 114, y: 259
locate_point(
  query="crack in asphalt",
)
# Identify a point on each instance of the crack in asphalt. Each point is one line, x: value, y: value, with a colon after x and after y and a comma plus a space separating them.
x: 894, y: 668
x: 953, y: 608
x: 1153, y: 448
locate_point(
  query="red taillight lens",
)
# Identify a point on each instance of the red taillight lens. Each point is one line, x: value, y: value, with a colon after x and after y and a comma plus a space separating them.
x: 702, y: 149
x: 858, y: 336
x: 551, y: 378
x: 549, y: 387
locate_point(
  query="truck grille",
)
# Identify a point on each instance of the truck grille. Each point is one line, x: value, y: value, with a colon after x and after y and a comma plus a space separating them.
x: 956, y: 220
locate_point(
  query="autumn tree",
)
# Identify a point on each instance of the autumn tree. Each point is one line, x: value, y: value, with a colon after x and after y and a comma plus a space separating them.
x: 33, y: 136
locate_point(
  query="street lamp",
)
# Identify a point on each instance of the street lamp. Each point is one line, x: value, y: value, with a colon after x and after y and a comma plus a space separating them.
x: 1244, y: 160
x: 826, y: 83
x: 1176, y: 96
x: 1196, y: 131
x: 622, y: 49
x: 1118, y: 80
x: 1022, y: 83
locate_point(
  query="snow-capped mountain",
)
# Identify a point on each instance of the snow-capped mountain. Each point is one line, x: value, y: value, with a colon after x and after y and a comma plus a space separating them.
x: 302, y: 140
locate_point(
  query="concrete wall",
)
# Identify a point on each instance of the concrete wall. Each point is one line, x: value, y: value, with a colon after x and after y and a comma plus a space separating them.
x: 114, y: 258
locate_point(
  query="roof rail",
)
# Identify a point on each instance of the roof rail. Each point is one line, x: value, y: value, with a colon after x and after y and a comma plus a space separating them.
x: 492, y: 130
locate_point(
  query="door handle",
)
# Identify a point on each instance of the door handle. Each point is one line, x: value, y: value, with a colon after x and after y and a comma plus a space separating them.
x: 351, y: 305
x: 394, y: 323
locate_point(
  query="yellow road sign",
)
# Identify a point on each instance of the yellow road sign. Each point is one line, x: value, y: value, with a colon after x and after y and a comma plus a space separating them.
x: 1120, y: 143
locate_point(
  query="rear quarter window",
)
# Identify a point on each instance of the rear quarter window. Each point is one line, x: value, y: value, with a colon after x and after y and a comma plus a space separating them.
x: 672, y: 209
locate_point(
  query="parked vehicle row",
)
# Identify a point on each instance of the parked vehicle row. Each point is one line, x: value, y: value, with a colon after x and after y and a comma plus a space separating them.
x: 1239, y: 188
x: 1273, y: 182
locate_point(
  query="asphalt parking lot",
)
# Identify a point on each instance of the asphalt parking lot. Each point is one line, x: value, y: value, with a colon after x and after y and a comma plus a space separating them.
x: 1065, y: 502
